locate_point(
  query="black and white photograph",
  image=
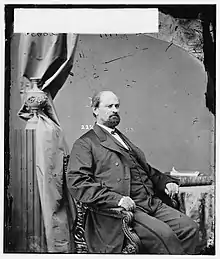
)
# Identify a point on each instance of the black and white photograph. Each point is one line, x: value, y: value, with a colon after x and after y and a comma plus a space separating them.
x: 110, y: 137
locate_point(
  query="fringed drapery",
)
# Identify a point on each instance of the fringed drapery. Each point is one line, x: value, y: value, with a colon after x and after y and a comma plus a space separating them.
x: 198, y: 203
x: 49, y: 58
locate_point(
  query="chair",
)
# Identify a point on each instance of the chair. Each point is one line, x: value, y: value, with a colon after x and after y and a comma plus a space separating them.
x: 132, y: 243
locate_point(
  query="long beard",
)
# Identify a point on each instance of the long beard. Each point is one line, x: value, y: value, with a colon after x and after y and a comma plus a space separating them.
x: 112, y: 121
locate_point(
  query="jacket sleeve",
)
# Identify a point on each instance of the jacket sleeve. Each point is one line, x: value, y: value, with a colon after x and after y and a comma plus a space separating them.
x: 160, y: 179
x: 80, y: 179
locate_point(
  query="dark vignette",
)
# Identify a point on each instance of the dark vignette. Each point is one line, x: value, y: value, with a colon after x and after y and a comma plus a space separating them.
x: 207, y: 14
x: 9, y: 20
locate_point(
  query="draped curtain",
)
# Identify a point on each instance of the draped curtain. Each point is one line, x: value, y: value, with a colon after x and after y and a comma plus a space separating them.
x: 48, y: 57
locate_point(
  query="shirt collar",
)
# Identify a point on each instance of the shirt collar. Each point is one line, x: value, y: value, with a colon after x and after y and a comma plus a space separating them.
x: 105, y: 127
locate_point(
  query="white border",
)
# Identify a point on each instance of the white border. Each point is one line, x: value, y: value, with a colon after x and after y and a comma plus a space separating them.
x: 2, y: 107
x: 97, y: 20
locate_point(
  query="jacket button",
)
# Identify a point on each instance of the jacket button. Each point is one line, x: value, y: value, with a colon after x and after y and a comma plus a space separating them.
x: 117, y: 164
x: 118, y: 179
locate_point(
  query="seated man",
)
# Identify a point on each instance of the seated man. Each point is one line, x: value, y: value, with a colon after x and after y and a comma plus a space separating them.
x: 106, y: 170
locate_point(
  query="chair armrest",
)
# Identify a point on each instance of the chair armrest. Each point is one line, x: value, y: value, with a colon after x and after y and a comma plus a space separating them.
x: 133, y: 243
x: 112, y: 212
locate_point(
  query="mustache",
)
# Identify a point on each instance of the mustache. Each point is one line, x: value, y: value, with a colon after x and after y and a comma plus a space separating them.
x: 115, y: 114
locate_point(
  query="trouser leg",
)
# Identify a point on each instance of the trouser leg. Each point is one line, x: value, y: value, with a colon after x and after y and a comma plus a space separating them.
x: 183, y: 226
x: 156, y: 236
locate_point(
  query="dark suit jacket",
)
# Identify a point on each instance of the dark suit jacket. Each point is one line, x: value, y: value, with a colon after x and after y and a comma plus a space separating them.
x: 99, y: 176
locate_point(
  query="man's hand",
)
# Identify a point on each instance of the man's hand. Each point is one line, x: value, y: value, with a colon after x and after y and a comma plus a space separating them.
x: 127, y: 203
x: 171, y: 189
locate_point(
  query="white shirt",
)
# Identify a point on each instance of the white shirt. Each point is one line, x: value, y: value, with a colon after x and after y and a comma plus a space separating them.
x: 115, y: 135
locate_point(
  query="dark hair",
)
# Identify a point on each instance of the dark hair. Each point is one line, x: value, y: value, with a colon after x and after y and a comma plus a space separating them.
x: 96, y: 101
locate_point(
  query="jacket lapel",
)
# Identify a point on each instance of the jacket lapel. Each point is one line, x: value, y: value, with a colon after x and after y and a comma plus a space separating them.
x: 108, y: 142
x: 105, y: 139
x: 135, y: 149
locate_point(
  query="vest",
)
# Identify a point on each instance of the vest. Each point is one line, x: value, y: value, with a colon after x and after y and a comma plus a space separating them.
x: 142, y: 190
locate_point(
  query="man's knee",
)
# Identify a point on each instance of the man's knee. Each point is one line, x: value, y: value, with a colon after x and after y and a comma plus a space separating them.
x: 190, y: 226
x: 161, y: 241
x: 194, y: 227
x: 189, y: 235
x: 192, y: 223
x: 158, y: 238
x: 169, y: 241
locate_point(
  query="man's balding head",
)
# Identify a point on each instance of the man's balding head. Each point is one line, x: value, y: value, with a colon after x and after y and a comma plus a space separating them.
x: 105, y: 105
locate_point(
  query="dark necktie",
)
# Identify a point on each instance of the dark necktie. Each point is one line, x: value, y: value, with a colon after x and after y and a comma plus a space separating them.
x: 113, y: 131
